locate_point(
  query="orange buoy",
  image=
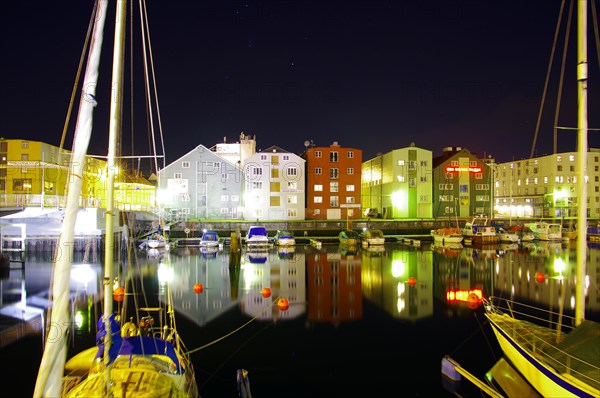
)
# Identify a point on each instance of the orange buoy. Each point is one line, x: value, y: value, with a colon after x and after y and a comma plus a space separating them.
x: 266, y: 292
x: 540, y: 277
x: 119, y: 294
x: 473, y: 301
x: 198, y: 288
x: 283, y: 304
x: 412, y: 281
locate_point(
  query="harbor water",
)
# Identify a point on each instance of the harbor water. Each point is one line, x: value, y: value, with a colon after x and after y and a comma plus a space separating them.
x: 359, y: 322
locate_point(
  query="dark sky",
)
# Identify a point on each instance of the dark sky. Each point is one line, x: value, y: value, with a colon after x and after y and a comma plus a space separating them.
x: 373, y: 75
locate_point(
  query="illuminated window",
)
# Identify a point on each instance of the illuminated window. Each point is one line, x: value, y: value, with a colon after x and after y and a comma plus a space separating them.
x: 318, y: 187
x: 559, y: 158
x: 334, y: 201
x: 400, y: 162
x: 292, y: 212
x: 24, y: 144
x: 292, y: 199
x: 333, y: 186
x: 333, y: 174
x: 350, y: 199
x: 349, y: 188
x: 292, y: 185
x: 317, y: 211
x: 224, y: 210
x: 572, y: 158
x: 318, y: 199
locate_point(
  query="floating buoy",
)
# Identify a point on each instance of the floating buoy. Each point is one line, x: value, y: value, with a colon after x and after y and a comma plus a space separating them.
x: 198, y: 288
x: 266, y: 292
x: 119, y: 294
x: 283, y: 304
x: 540, y: 277
x: 473, y: 301
x: 412, y: 281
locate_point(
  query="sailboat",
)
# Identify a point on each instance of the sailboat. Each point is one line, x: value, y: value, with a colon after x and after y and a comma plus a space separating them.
x: 559, y: 356
x: 141, y: 358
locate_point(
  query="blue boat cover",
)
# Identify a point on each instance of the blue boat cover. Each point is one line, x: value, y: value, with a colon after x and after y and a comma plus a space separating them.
x: 145, y: 345
x: 261, y: 231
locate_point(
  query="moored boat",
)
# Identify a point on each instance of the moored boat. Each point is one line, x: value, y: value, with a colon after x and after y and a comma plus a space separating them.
x: 447, y: 235
x: 284, y: 238
x: 349, y: 237
x: 479, y: 231
x: 209, y: 239
x: 543, y: 230
x: 257, y: 238
x: 372, y: 237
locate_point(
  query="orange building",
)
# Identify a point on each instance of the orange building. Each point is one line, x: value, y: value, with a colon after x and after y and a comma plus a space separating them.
x: 333, y: 185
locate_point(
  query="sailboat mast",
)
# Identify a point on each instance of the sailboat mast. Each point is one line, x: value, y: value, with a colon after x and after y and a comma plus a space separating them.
x: 582, y: 144
x: 49, y: 382
x: 116, y: 107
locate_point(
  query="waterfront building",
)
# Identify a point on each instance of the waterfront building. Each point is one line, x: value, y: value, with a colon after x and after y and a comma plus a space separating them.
x: 274, y: 185
x: 35, y: 174
x: 202, y: 185
x: 399, y: 183
x: 333, y: 188
x: 461, y: 184
x: 546, y: 187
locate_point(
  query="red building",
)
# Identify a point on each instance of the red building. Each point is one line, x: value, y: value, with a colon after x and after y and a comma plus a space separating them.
x: 333, y: 182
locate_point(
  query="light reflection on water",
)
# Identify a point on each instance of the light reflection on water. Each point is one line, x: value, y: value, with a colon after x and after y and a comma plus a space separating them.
x: 352, y: 310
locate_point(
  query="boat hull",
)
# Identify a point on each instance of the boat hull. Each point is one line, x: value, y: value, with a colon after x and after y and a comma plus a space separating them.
x: 544, y: 379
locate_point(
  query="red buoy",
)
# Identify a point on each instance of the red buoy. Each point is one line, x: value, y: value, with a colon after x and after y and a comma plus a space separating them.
x: 119, y: 294
x: 283, y: 304
x: 266, y: 292
x: 473, y: 301
x: 412, y: 281
x: 540, y: 277
x: 198, y: 288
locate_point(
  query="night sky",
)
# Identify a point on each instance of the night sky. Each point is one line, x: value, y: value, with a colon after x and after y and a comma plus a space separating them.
x: 373, y: 75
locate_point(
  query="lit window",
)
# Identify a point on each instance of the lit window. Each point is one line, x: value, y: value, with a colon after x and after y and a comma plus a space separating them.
x: 319, y: 187
x: 318, y: 199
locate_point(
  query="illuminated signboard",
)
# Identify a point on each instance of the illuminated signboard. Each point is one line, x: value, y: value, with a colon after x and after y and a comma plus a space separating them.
x: 474, y: 169
x: 462, y: 295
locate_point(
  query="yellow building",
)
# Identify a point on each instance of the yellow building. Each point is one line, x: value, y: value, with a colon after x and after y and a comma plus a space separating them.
x: 35, y: 174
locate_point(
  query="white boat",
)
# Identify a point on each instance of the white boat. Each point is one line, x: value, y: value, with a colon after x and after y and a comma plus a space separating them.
x: 257, y: 238
x: 558, y: 355
x: 507, y: 236
x: 447, y: 235
x: 479, y: 231
x: 372, y: 237
x: 209, y: 239
x: 144, y: 360
x: 524, y: 233
x: 543, y: 230
x: 284, y: 238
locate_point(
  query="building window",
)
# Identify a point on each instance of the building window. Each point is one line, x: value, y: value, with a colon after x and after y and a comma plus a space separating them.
x: 24, y: 156
x: 275, y: 186
x: 454, y: 163
x: 275, y: 201
x: 224, y: 198
x: 559, y: 167
x: 319, y: 187
x: 318, y: 199
x: 334, y: 201
x: 317, y: 211
x: 559, y: 158
x: 349, y: 188
x: 449, y: 176
x: 350, y: 199
x: 292, y: 185
x: 479, y: 176
x: 401, y: 179
x: 224, y: 177
x: 463, y: 188
x: 275, y: 159
x: 423, y: 179
x: 292, y: 212
x: 350, y: 171
x: 257, y: 185
x: 333, y: 156
x: 185, y: 197
x: 258, y: 213
x: 412, y: 165
x: 350, y: 155
x: 318, y: 170
x: 235, y: 198
x: 412, y: 182
x: 333, y: 186
x: 292, y: 199
x: 318, y: 154
x: 400, y: 162
x: 423, y: 163
x: 292, y: 171
x: 263, y: 157
x: 224, y: 210
x: 21, y: 184
x: 24, y: 144
x: 257, y: 171
x: 185, y: 165
x: 286, y: 157
x: 333, y: 174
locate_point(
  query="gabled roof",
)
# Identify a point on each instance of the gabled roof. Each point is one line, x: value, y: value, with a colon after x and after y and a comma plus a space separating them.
x: 275, y: 149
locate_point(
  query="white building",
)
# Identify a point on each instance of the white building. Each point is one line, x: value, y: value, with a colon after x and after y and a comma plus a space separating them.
x: 274, y: 185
